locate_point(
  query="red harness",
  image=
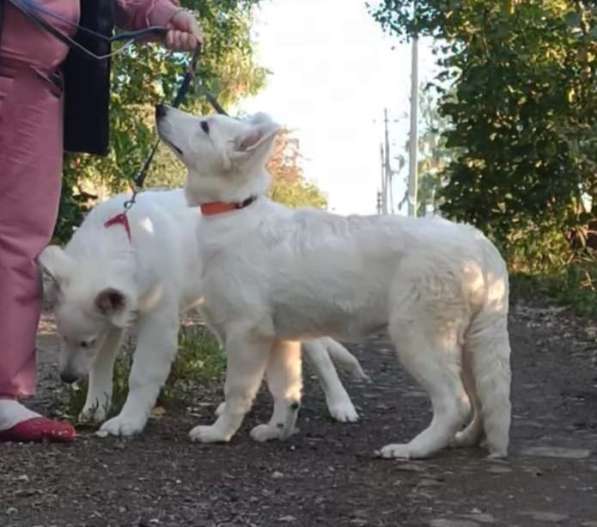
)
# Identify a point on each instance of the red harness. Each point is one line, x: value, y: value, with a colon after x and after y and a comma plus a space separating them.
x: 207, y: 209
x: 120, y: 219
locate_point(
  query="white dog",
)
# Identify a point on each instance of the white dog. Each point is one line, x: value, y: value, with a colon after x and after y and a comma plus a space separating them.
x: 439, y: 288
x: 103, y: 280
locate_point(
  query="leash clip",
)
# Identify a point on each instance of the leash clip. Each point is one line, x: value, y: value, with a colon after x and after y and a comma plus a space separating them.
x: 130, y: 202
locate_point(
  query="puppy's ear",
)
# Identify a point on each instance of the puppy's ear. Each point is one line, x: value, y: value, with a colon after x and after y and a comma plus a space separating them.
x: 114, y: 304
x: 258, y: 139
x: 55, y: 266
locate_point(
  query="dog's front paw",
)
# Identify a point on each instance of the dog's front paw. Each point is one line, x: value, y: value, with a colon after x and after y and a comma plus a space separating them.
x: 122, y: 426
x: 208, y: 434
x: 343, y: 411
x: 395, y: 450
x: 267, y: 432
x: 93, y: 414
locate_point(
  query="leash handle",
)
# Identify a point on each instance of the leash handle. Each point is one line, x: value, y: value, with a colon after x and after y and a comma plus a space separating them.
x: 157, y: 31
x: 33, y: 10
x: 188, y: 77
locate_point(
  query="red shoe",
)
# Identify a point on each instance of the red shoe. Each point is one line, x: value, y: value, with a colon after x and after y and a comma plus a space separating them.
x: 39, y: 429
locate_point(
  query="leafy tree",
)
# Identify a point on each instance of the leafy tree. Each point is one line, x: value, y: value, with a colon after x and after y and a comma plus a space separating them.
x: 524, y: 114
x: 289, y: 184
x: 146, y: 75
x: 433, y: 154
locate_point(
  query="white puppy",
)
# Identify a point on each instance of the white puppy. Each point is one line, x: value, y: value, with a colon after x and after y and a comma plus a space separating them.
x: 440, y: 289
x: 102, y: 281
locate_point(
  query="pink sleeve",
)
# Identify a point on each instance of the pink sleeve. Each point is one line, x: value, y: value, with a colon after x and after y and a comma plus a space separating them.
x: 139, y: 14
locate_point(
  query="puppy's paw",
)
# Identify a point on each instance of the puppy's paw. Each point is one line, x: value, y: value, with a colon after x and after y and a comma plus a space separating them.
x: 343, y: 411
x: 220, y: 409
x: 208, y: 434
x: 395, y: 450
x: 267, y: 432
x: 464, y: 439
x: 92, y: 414
x: 124, y: 426
x: 497, y: 454
x: 358, y: 374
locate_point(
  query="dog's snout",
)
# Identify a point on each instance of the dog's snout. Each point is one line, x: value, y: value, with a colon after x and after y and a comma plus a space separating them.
x: 68, y: 377
x: 160, y: 111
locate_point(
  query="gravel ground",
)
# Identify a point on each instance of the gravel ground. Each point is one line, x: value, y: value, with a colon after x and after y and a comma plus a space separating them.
x: 327, y: 475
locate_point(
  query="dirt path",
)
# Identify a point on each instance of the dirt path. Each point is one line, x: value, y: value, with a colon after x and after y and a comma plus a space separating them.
x: 326, y: 475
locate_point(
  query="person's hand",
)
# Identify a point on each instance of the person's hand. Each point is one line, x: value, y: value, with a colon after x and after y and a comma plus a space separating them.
x: 184, y: 32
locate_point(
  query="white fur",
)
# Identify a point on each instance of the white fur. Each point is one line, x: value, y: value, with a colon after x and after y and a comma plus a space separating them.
x: 101, y: 284
x: 440, y: 289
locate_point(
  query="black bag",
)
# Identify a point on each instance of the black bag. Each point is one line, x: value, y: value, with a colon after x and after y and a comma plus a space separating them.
x: 87, y: 83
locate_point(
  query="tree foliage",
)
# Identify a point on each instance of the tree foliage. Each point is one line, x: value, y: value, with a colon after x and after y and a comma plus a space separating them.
x: 289, y: 184
x: 147, y: 75
x: 433, y: 154
x: 524, y: 113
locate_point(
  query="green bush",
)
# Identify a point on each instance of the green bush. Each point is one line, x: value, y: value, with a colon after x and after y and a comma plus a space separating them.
x: 519, y: 88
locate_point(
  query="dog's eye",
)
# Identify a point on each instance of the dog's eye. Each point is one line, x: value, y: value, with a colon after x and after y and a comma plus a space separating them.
x: 205, y: 127
x: 87, y: 343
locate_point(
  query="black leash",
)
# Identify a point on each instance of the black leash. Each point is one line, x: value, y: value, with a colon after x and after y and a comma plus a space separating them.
x: 185, y: 85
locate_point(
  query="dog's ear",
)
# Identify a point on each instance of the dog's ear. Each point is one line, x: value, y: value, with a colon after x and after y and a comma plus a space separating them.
x: 258, y: 138
x: 114, y: 304
x: 55, y: 266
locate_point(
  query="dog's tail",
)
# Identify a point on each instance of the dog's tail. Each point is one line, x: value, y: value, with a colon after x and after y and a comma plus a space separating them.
x: 344, y: 359
x: 488, y: 347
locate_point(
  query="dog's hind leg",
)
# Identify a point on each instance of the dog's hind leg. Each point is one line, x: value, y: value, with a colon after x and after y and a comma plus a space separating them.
x: 285, y: 382
x: 344, y: 360
x: 99, y: 389
x: 429, y: 350
x: 490, y: 353
x: 155, y: 351
x: 247, y: 355
x: 338, y: 401
x: 472, y: 433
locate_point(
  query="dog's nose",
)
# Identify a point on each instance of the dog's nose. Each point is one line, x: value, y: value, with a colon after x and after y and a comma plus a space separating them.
x: 68, y: 377
x: 160, y: 111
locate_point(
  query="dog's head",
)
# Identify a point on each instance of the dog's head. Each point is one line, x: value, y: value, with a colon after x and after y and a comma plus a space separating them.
x: 86, y: 308
x: 225, y: 157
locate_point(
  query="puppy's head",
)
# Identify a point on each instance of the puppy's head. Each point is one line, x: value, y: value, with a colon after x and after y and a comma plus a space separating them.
x: 86, y: 309
x: 225, y: 157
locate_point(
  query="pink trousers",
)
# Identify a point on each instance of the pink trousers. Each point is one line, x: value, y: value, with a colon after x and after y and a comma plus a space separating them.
x: 31, y: 167
x: 30, y: 172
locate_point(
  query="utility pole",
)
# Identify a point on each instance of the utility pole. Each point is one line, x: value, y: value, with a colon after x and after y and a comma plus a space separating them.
x: 413, y: 139
x: 385, y: 197
x: 382, y: 193
x: 389, y: 206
